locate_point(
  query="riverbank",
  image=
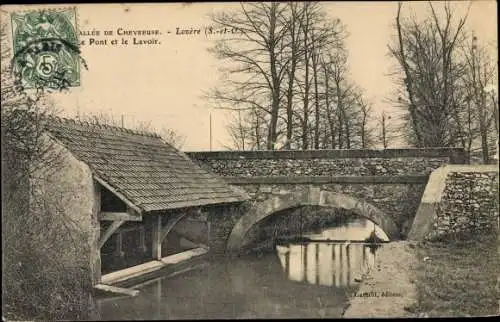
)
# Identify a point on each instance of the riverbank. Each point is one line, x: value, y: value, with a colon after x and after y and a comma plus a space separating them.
x: 388, y: 289
x: 455, y: 277
x: 459, y: 276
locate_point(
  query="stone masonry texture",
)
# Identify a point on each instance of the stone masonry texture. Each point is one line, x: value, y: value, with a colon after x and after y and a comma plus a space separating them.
x: 469, y: 204
x: 398, y: 200
x: 324, y: 167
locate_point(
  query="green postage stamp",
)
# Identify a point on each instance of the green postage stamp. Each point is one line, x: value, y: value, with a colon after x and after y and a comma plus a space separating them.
x: 46, y: 51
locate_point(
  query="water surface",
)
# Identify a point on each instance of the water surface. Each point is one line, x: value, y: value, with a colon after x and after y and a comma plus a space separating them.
x: 294, y: 281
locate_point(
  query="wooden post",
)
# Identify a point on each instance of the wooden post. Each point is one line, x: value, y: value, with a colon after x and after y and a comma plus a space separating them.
x: 156, y: 240
x: 208, y: 235
x: 119, y: 244
x: 142, y: 238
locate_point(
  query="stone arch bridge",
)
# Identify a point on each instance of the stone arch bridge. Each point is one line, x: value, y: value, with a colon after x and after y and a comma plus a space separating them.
x: 384, y: 186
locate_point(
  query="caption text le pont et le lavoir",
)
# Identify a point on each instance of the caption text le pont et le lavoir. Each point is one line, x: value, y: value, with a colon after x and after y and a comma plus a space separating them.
x: 145, y: 37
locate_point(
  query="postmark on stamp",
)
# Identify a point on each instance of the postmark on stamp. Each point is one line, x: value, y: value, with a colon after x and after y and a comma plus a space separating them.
x: 46, y: 51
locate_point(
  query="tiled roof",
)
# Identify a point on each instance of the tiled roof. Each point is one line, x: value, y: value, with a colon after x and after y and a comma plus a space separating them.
x: 148, y: 172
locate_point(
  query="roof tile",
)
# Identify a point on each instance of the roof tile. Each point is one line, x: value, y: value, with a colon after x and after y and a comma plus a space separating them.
x: 150, y: 173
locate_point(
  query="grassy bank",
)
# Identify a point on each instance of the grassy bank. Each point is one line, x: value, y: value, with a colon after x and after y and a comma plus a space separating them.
x: 457, y: 276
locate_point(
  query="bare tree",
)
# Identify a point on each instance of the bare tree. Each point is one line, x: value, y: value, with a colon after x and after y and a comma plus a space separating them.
x: 366, y: 132
x: 274, y: 69
x: 292, y: 21
x: 429, y: 73
x: 320, y: 36
x: 169, y: 135
x: 482, y: 111
x: 253, y: 54
x: 239, y: 132
x: 36, y: 232
x: 385, y: 130
x: 343, y: 93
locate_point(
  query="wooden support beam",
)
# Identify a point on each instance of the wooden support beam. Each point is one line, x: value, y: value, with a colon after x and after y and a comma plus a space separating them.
x: 156, y: 240
x: 116, y: 290
x: 119, y: 195
x: 160, y: 232
x: 111, y: 229
x: 118, y: 216
x: 172, y: 221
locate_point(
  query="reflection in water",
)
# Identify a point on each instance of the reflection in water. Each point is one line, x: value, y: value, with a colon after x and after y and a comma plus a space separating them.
x: 357, y: 229
x: 246, y: 288
x: 328, y: 264
x: 307, y: 280
x: 331, y: 263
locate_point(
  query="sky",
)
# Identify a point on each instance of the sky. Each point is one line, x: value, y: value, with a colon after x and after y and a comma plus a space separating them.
x: 164, y: 83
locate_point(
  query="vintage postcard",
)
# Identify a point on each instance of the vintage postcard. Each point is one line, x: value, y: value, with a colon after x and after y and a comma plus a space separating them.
x: 250, y: 160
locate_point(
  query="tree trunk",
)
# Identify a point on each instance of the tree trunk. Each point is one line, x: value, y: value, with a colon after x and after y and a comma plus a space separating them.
x: 316, y: 98
x: 408, y: 81
x: 305, y: 124
x: 275, y: 90
x: 331, y: 122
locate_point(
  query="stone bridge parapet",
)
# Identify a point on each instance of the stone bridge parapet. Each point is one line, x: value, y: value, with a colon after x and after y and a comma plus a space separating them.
x: 319, y: 163
x: 391, y: 181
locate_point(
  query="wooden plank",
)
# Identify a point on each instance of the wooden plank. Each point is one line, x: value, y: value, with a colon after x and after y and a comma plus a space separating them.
x: 116, y: 290
x: 114, y: 216
x: 183, y: 256
x: 150, y: 267
x: 111, y: 229
x: 132, y: 272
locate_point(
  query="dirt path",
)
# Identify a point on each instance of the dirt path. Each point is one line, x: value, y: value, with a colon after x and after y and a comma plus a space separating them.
x: 387, y: 290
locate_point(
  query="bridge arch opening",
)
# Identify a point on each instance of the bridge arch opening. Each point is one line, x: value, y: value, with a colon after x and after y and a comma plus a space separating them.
x: 309, y: 223
x: 313, y: 197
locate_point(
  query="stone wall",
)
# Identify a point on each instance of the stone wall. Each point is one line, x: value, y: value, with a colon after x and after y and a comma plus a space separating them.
x: 392, y: 180
x: 327, y: 162
x: 469, y: 204
x: 399, y: 201
x: 221, y: 222
x: 65, y: 191
x: 458, y: 199
x: 63, y: 202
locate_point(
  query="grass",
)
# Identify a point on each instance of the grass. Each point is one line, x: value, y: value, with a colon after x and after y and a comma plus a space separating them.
x: 457, y: 276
